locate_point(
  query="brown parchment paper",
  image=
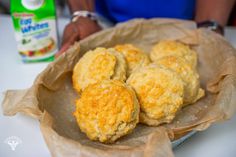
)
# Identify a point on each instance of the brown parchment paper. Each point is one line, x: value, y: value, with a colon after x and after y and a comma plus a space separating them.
x: 51, y: 99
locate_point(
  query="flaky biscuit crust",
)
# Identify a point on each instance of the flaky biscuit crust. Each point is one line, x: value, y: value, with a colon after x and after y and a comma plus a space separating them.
x: 134, y: 56
x: 107, y: 110
x: 173, y: 48
x: 188, y: 75
x: 160, y: 93
x: 96, y: 65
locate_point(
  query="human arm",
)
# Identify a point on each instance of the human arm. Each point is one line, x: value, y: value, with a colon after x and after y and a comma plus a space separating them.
x: 81, y: 27
x: 217, y: 10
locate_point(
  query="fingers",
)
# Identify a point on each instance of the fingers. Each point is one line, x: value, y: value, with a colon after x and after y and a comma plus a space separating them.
x: 77, y: 30
x: 68, y: 43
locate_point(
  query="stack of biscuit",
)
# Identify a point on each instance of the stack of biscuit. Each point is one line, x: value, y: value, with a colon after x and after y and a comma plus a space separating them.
x: 121, y: 87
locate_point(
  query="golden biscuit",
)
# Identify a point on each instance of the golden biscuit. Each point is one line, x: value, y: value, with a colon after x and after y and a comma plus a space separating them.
x: 97, y: 65
x: 173, y: 48
x: 135, y: 58
x: 107, y: 110
x: 188, y: 75
x: 160, y: 93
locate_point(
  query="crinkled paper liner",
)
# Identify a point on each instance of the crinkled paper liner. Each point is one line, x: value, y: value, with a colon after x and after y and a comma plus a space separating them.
x: 51, y: 99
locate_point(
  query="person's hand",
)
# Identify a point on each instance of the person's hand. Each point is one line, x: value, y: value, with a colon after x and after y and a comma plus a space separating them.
x: 76, y: 31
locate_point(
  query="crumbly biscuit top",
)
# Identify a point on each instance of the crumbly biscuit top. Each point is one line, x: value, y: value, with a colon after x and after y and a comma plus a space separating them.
x: 173, y: 48
x: 160, y: 91
x: 96, y: 65
x: 104, y: 108
x: 188, y: 75
x: 133, y: 55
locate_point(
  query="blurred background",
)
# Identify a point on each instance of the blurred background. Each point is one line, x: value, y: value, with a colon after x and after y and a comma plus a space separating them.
x: 63, y: 10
